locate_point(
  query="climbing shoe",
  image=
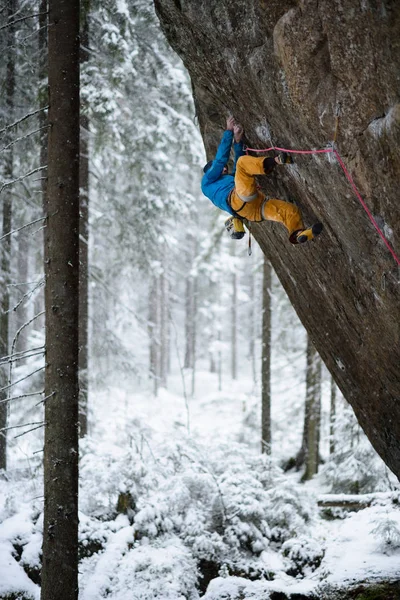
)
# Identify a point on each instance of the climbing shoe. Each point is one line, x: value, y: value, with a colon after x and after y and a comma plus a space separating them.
x: 269, y: 165
x: 284, y: 158
x: 309, y: 234
x: 235, y: 228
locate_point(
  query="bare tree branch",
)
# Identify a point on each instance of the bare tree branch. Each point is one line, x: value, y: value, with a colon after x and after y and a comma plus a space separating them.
x: 15, y: 358
x: 27, y: 116
x: 6, y: 387
x: 22, y: 283
x: 45, y: 398
x: 22, y: 396
x: 23, y: 425
x: 23, y: 137
x: 28, y: 295
x: 23, y: 327
x: 6, y: 184
x: 22, y: 19
x: 23, y: 227
x: 30, y: 430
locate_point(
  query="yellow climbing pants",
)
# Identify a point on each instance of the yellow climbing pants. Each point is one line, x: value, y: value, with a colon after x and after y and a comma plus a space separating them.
x: 249, y: 202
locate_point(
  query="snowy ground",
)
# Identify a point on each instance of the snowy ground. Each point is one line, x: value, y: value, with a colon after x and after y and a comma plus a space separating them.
x: 358, y: 547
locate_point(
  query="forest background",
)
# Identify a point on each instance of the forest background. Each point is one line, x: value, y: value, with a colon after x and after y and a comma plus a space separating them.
x: 196, y: 407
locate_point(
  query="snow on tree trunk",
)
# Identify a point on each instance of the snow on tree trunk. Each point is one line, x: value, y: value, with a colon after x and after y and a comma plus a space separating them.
x: 60, y: 528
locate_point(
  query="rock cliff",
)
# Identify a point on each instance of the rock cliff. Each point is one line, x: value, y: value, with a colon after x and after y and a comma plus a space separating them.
x: 282, y: 67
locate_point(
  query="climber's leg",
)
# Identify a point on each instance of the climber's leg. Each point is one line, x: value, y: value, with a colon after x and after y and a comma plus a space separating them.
x: 286, y: 213
x: 245, y: 184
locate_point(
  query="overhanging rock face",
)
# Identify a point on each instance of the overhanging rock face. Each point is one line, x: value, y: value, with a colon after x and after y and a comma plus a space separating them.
x: 281, y: 68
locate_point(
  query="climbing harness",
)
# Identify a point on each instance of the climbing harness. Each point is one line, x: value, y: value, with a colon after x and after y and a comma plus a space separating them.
x: 333, y: 150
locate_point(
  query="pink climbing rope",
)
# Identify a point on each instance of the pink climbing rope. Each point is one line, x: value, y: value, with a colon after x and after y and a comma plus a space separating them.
x: 365, y: 207
x: 350, y: 180
x: 325, y: 151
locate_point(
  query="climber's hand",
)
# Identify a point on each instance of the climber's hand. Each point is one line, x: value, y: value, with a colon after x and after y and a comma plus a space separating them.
x: 230, y: 123
x: 238, y: 133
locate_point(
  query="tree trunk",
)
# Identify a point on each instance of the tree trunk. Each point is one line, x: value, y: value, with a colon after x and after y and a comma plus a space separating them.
x: 190, y: 314
x: 84, y: 238
x: 313, y: 411
x: 6, y: 242
x: 253, y: 313
x: 153, y: 333
x: 332, y: 417
x: 233, y: 324
x: 219, y: 363
x: 164, y: 329
x: 266, y: 360
x: 189, y: 321
x: 194, y: 333
x: 60, y: 529
x: 214, y: 324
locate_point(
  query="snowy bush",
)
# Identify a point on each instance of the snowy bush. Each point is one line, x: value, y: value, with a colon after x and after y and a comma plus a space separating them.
x: 291, y: 508
x: 356, y: 471
x: 95, y: 533
x: 387, y: 533
x: 304, y: 556
x: 355, y: 467
x: 165, y: 570
x: 104, y: 474
x: 225, y: 509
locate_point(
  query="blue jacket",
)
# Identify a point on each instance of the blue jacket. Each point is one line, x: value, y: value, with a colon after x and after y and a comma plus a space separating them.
x: 216, y: 186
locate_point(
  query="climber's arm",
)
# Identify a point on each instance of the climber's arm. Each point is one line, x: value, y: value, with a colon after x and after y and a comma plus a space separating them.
x: 238, y: 146
x: 223, y: 152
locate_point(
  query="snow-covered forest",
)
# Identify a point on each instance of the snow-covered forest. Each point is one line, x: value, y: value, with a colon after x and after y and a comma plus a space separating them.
x: 217, y: 457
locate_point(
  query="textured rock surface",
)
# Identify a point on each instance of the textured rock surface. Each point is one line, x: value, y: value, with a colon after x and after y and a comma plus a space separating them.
x: 281, y: 67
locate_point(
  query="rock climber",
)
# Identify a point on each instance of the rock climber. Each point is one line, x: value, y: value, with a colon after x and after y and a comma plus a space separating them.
x: 237, y: 193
